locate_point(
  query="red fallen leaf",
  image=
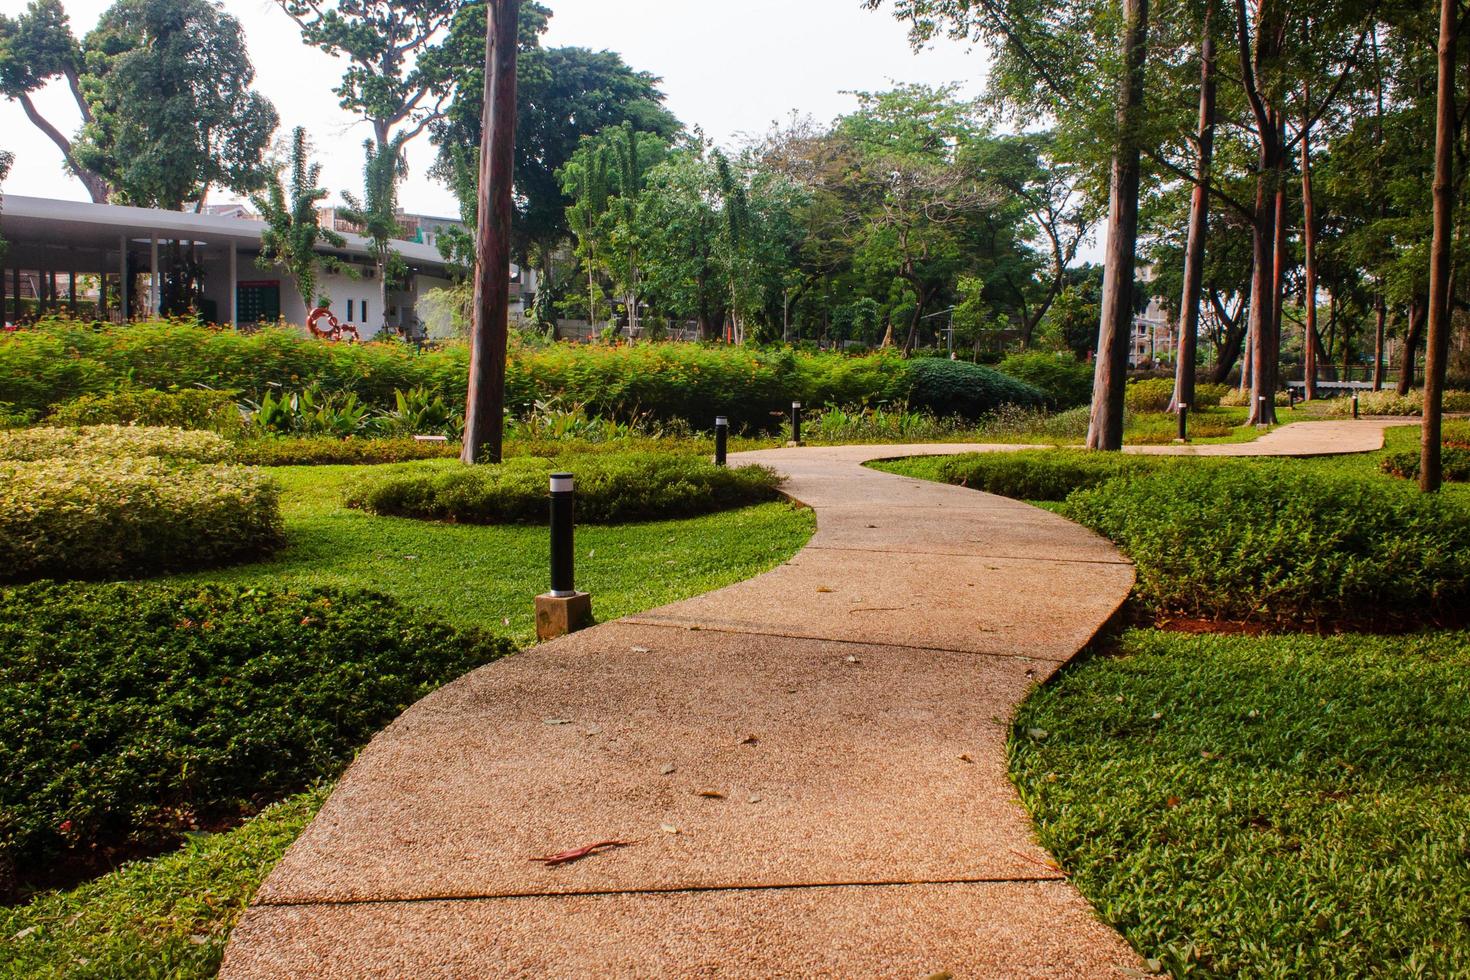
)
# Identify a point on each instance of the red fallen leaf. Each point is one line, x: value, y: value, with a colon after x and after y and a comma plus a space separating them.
x: 1173, y: 802
x: 567, y: 857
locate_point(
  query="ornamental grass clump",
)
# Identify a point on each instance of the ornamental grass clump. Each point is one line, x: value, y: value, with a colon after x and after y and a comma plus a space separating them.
x: 128, y: 517
x: 1282, y: 544
x: 131, y: 714
x: 112, y: 442
x: 612, y: 488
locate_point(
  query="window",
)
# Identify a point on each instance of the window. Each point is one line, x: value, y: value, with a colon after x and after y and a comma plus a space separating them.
x: 349, y: 311
x: 364, y: 311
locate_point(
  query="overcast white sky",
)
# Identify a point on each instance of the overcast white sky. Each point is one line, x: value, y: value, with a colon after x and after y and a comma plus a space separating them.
x: 731, y: 68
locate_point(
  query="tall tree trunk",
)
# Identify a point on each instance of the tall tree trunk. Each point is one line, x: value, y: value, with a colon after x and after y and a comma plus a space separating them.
x: 1309, y: 245
x: 485, y: 412
x: 1409, y: 359
x: 1105, y: 430
x: 1380, y: 330
x: 1199, y: 219
x: 1431, y: 472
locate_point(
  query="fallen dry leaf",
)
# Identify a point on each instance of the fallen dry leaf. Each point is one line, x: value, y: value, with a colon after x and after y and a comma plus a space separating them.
x: 668, y: 828
x: 966, y: 758
x: 557, y: 721
x: 749, y: 740
x: 567, y: 857
x: 826, y: 591
x: 711, y: 794
x: 642, y: 650
x: 668, y: 770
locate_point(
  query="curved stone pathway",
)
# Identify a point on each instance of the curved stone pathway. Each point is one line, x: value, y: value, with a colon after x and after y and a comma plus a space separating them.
x: 809, y: 769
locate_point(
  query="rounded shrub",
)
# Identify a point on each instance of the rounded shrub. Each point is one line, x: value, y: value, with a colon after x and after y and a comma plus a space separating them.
x: 1274, y: 542
x: 93, y: 517
x: 1046, y: 474
x: 133, y: 713
x: 958, y: 388
x: 611, y: 488
x: 191, y: 408
x: 1066, y: 380
x: 111, y: 441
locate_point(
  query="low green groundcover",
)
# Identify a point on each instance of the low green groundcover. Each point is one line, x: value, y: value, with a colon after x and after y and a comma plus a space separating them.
x: 130, y: 713
x: 320, y: 451
x: 126, y: 517
x: 1285, y: 543
x: 1292, y: 806
x: 611, y: 488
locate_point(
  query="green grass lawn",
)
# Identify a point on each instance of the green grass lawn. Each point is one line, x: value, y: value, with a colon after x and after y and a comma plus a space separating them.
x: 489, y: 576
x: 170, y: 917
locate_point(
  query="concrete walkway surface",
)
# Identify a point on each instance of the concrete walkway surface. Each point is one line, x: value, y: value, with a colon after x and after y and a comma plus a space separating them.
x: 808, y: 769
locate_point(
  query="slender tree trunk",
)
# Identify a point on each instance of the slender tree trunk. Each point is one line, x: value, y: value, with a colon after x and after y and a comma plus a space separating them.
x: 1409, y: 359
x: 1309, y: 244
x: 1380, y: 330
x: 1105, y: 430
x: 1199, y: 219
x: 485, y: 411
x: 1431, y: 472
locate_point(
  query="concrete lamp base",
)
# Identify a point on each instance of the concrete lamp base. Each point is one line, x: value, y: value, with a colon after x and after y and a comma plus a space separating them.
x: 559, y: 615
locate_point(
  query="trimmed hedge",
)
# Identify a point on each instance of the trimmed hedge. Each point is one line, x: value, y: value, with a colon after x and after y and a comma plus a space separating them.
x: 1282, y: 544
x: 969, y: 391
x: 131, y: 517
x: 111, y: 441
x: 1044, y: 474
x: 1066, y: 380
x: 130, y: 714
x: 611, y: 488
x: 62, y: 360
x: 340, y: 452
x: 196, y: 408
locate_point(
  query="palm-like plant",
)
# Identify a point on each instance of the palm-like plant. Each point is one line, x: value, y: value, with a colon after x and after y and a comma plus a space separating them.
x: 376, y: 213
x: 293, y: 227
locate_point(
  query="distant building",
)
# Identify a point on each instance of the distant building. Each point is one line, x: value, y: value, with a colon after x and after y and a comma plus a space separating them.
x: 1153, y: 341
x: 63, y: 253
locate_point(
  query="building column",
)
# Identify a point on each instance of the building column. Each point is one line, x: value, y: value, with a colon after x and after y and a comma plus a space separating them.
x: 155, y: 291
x: 71, y: 291
x: 125, y: 288
x: 234, y: 300
x: 15, y: 292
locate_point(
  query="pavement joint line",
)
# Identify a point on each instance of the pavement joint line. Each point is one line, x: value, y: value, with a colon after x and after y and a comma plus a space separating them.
x: 699, y: 626
x: 965, y: 554
x: 1037, y: 879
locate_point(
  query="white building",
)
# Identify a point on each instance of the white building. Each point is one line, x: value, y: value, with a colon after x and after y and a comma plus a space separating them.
x: 61, y: 249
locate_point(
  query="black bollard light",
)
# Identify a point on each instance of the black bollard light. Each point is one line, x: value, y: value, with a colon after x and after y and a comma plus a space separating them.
x: 722, y: 440
x: 563, y: 610
x: 1261, y: 412
x: 563, y: 507
x: 796, y: 423
x: 1355, y: 405
x: 1183, y: 422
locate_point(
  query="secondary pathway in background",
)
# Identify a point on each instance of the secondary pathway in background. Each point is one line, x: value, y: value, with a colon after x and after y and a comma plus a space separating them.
x: 808, y: 769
